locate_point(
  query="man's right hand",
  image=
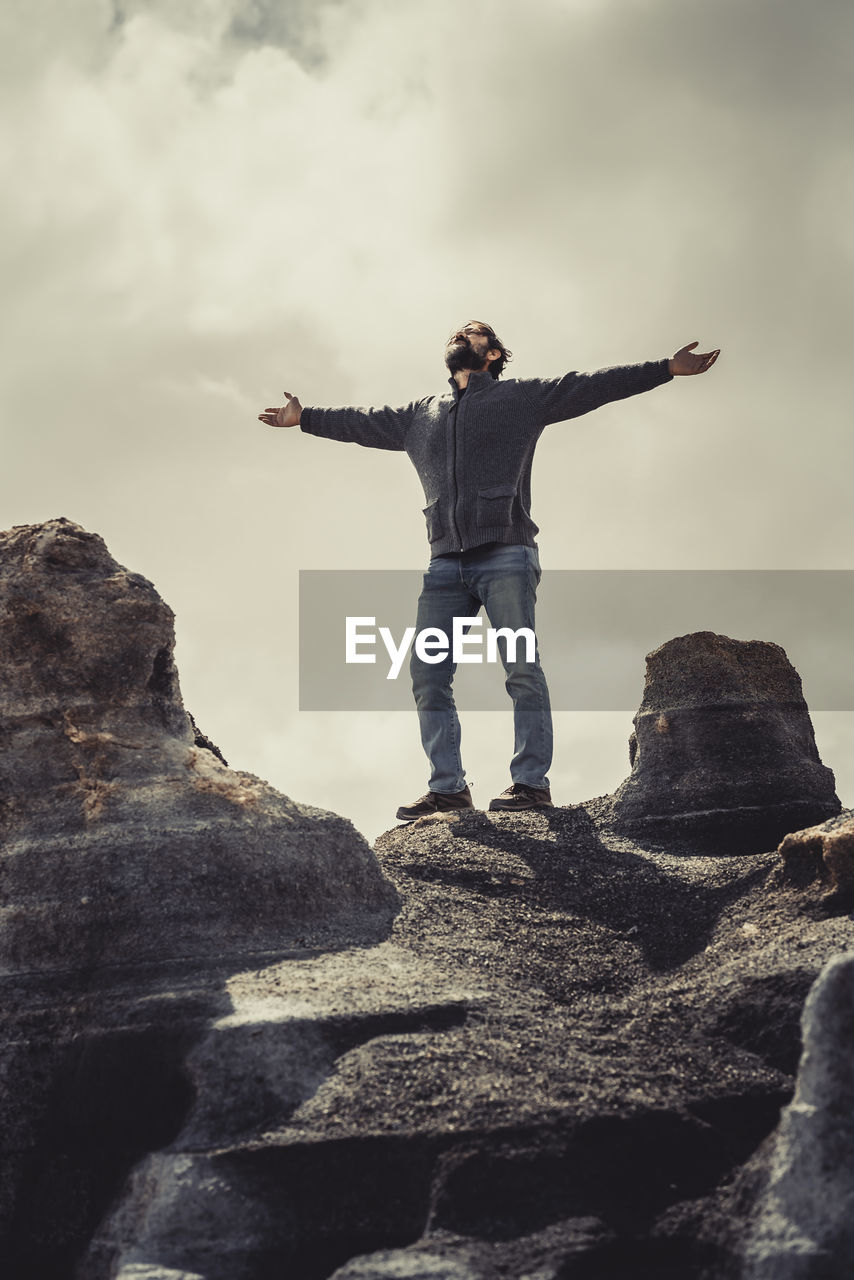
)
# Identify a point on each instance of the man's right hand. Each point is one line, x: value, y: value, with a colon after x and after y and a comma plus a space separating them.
x: 287, y: 416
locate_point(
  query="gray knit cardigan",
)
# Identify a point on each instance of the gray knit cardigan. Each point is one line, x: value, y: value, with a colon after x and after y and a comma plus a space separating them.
x: 473, y: 453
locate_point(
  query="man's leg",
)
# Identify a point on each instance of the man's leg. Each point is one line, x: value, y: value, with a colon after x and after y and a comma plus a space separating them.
x: 506, y: 578
x: 444, y: 596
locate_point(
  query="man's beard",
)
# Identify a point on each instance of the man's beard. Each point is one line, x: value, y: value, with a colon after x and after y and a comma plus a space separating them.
x: 462, y: 356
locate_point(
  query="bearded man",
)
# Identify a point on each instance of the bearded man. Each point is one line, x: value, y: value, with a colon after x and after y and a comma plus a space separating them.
x: 473, y: 447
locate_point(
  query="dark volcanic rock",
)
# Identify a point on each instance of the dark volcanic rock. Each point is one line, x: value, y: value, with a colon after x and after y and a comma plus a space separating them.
x: 223, y: 1060
x: 822, y: 856
x: 723, y: 750
x: 555, y: 1067
x: 804, y: 1223
x: 130, y: 855
x: 122, y: 839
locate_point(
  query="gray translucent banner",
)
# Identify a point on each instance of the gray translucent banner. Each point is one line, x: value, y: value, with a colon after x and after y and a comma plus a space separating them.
x: 594, y: 629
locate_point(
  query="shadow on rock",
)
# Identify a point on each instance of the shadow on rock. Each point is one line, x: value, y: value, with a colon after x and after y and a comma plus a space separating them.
x: 669, y: 916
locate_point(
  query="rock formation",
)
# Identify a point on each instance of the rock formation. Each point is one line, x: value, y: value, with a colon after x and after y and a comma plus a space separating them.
x: 822, y: 856
x: 123, y: 841
x: 804, y: 1222
x: 564, y: 1058
x: 723, y: 753
x: 557, y: 1066
x: 127, y: 850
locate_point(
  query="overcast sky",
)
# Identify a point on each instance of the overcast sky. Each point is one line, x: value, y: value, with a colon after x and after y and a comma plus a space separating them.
x: 215, y: 200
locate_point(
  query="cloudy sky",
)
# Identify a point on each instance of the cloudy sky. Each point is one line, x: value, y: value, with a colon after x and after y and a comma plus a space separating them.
x: 211, y: 201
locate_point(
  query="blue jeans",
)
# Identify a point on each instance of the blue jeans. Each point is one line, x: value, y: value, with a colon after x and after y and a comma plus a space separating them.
x: 504, y: 580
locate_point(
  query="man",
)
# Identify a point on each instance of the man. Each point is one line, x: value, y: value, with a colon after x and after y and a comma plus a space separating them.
x: 472, y: 448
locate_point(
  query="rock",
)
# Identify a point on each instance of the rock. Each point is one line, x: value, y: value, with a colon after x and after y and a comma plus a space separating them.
x: 124, y: 841
x: 723, y: 752
x: 202, y: 740
x: 137, y: 872
x: 235, y: 1061
x: 408, y: 1265
x: 554, y: 1066
x: 822, y: 855
x: 143, y: 1271
x: 545, y: 1255
x: 804, y: 1228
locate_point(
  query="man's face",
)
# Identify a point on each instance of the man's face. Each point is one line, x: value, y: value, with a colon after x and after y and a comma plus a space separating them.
x: 468, y: 347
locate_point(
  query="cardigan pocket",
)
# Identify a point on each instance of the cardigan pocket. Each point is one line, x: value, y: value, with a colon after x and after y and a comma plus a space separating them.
x: 435, y: 525
x: 495, y: 505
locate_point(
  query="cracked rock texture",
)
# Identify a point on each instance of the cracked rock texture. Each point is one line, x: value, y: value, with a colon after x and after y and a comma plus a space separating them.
x: 804, y: 1226
x: 128, y: 852
x: 122, y: 839
x: 560, y: 1064
x: 822, y: 856
x: 723, y: 751
x: 565, y: 1057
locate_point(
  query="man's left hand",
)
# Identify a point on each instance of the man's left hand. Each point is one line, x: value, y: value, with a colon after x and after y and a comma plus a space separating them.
x: 687, y: 360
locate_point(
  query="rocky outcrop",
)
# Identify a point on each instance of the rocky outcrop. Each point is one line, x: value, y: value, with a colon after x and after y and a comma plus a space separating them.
x: 123, y: 840
x: 804, y: 1224
x: 556, y: 1066
x: 723, y: 752
x: 136, y: 873
x: 565, y: 1056
x: 822, y: 856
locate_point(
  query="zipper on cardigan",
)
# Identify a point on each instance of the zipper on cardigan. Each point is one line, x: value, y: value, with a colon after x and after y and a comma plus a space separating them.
x: 454, y: 526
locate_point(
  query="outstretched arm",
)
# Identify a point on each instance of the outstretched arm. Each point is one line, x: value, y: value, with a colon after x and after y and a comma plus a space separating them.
x: 576, y: 393
x: 556, y: 399
x: 688, y: 361
x: 376, y: 428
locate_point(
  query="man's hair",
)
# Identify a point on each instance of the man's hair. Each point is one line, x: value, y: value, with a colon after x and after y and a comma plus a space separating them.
x: 497, y: 366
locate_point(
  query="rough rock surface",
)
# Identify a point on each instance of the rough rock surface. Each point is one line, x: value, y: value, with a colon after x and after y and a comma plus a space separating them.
x: 122, y: 839
x: 822, y: 856
x: 562, y: 1060
x: 128, y: 854
x: 555, y: 1067
x: 723, y: 750
x: 804, y: 1225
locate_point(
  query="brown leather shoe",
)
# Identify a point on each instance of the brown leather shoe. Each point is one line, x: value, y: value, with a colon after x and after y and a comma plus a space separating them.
x: 520, y: 796
x: 435, y: 802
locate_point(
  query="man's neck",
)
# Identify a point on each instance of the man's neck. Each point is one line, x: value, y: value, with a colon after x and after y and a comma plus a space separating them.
x: 461, y: 377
